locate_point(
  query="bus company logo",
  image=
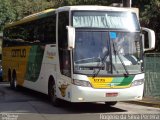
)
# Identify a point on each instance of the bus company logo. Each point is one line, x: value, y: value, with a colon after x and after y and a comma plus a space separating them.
x: 51, y: 55
x: 63, y: 88
x: 111, y: 84
x: 18, y: 52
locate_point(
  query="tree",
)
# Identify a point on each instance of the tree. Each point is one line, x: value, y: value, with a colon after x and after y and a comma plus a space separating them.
x: 6, y: 13
x: 11, y: 10
x: 150, y: 16
x: 23, y: 8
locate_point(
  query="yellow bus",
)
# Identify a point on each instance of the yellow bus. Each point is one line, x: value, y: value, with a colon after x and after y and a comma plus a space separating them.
x: 78, y: 54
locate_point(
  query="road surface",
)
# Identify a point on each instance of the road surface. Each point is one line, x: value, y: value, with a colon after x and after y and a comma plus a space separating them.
x: 29, y: 105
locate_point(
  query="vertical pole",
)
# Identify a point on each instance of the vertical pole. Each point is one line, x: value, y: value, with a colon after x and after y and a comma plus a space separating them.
x: 127, y: 3
x: 130, y: 2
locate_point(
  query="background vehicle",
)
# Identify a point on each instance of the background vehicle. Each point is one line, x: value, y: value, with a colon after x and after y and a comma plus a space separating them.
x: 78, y: 54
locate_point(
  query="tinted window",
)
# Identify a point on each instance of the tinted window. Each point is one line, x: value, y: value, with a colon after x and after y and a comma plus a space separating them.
x: 64, y: 54
x: 38, y: 31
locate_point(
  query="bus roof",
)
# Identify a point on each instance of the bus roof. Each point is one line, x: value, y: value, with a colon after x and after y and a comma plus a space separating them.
x: 94, y: 7
x: 68, y: 8
x: 98, y: 8
x: 31, y: 17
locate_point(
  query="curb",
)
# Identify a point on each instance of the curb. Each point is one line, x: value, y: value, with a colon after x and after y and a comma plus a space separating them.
x: 145, y: 103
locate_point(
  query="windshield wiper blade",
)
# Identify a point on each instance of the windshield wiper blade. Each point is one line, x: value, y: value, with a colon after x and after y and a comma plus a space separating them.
x: 124, y: 66
x: 101, y: 65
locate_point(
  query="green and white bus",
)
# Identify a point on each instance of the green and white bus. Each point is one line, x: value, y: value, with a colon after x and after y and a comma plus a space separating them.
x: 78, y: 54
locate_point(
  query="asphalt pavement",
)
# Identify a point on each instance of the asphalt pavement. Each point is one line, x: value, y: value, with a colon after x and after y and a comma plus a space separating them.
x: 146, y: 101
x: 24, y: 104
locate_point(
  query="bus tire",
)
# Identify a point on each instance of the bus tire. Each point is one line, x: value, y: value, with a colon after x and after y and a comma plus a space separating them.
x: 109, y: 104
x: 14, y: 80
x: 52, y: 93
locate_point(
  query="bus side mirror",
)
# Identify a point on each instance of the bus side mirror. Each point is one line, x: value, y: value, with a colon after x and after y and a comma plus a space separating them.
x: 71, y: 37
x: 148, y: 38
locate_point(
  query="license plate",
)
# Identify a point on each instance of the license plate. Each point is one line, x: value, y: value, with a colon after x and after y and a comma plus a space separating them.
x: 111, y: 94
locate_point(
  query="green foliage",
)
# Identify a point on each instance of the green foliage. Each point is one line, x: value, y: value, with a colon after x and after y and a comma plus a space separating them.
x: 6, y: 14
x: 150, y: 17
x: 26, y: 7
x: 151, y: 14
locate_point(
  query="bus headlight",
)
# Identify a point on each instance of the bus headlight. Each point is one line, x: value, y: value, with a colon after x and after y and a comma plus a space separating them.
x: 81, y: 83
x: 137, y: 82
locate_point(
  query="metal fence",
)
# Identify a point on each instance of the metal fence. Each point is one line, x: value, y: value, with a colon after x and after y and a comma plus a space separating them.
x: 152, y: 76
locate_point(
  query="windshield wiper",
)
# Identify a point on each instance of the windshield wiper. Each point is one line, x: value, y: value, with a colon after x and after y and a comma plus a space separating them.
x: 103, y: 59
x: 124, y: 66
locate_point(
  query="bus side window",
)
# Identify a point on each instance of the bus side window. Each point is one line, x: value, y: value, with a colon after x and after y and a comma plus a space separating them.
x: 64, y: 54
x: 45, y: 30
x: 50, y: 29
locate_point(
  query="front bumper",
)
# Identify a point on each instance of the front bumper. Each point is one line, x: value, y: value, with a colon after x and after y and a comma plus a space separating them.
x: 89, y: 94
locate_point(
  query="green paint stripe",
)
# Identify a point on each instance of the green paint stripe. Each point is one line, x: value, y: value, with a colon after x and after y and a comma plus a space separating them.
x: 117, y: 80
x: 34, y: 63
x: 123, y: 81
x: 126, y: 81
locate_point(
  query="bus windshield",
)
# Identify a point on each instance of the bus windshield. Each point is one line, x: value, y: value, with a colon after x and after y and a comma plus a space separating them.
x: 107, y: 45
x: 100, y: 50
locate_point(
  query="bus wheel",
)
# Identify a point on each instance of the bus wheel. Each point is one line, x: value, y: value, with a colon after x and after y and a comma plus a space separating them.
x: 52, y: 93
x: 109, y: 104
x: 13, y: 82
